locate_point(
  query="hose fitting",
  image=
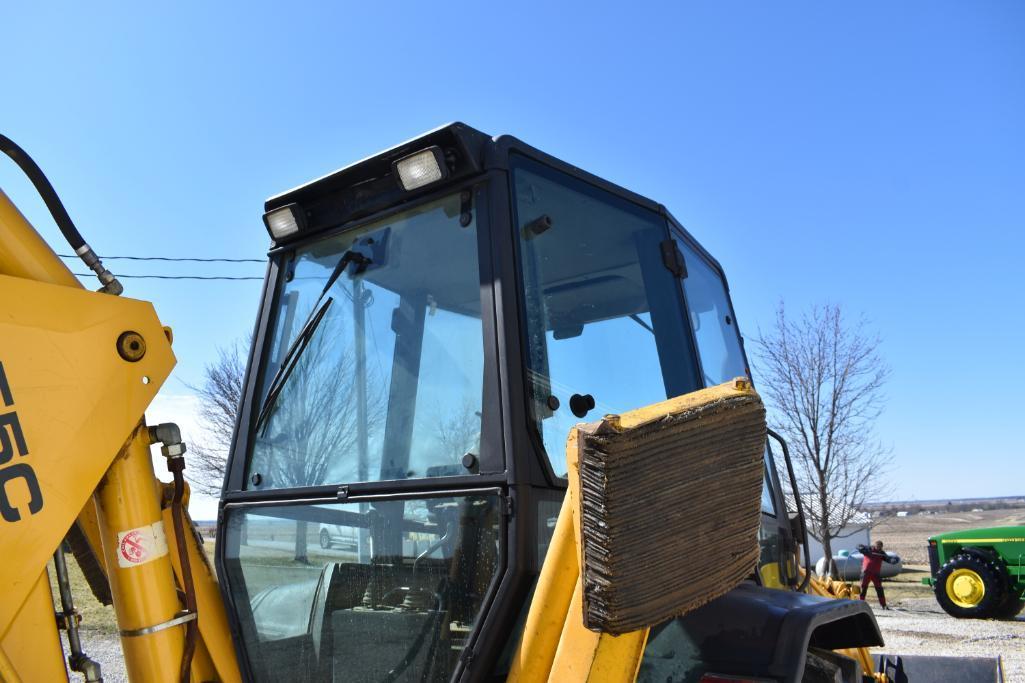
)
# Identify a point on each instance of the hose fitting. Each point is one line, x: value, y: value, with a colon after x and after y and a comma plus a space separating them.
x: 111, y: 285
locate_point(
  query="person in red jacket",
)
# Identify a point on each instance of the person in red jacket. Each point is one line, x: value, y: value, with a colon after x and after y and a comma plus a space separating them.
x: 871, y: 565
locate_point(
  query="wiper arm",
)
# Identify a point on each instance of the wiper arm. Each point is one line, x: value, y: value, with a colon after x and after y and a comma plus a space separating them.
x: 306, y: 333
x: 291, y: 359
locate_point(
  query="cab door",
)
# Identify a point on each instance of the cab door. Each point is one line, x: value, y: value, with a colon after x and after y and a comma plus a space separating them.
x: 782, y: 531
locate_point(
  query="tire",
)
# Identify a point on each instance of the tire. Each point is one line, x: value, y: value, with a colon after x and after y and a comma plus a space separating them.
x: 325, y: 539
x: 1010, y: 607
x: 969, y: 587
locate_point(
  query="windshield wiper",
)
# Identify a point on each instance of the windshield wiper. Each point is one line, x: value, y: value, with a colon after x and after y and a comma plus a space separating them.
x: 291, y: 359
x: 302, y: 339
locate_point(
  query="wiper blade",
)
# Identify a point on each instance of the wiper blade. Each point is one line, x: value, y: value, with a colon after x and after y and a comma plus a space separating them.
x: 306, y: 333
x: 291, y: 359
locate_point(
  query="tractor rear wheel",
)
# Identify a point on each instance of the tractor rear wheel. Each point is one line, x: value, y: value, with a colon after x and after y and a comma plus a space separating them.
x: 969, y: 587
x: 325, y: 539
x: 1010, y: 607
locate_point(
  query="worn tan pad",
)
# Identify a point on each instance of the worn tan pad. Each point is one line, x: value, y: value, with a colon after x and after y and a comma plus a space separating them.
x: 670, y: 508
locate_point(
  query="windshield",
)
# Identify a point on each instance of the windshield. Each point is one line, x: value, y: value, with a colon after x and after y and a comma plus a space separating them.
x: 388, y: 384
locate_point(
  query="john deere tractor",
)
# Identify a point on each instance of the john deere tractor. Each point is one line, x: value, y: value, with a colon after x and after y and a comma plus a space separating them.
x: 979, y: 573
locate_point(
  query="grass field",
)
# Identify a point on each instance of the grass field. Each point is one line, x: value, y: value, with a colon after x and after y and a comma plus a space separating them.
x: 95, y: 616
x: 907, y: 536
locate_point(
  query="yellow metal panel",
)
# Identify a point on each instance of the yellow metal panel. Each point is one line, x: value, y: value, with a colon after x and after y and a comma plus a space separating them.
x: 549, y: 607
x: 771, y: 575
x: 7, y: 672
x: 76, y: 403
x: 23, y: 253
x: 32, y: 644
x: 595, y: 657
x: 556, y: 647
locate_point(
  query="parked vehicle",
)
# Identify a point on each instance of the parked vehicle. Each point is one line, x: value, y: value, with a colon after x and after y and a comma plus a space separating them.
x: 848, y: 565
x: 979, y: 573
x: 338, y: 536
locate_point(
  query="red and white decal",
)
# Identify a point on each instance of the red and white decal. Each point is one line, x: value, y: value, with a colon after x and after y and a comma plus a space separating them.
x: 141, y: 545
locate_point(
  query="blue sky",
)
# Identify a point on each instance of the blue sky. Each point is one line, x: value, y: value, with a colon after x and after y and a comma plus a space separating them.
x: 871, y: 154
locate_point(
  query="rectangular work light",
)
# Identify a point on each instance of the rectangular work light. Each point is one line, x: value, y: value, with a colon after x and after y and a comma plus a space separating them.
x: 421, y: 168
x: 285, y: 221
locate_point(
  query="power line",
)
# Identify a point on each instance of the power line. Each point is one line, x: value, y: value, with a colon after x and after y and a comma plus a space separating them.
x: 173, y: 277
x: 169, y: 258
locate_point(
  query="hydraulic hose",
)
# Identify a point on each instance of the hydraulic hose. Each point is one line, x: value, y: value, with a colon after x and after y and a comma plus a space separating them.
x: 175, y: 466
x: 60, y: 215
x: 173, y: 450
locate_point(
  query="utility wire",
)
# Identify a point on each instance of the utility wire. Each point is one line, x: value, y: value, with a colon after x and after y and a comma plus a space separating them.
x: 176, y: 277
x: 169, y: 258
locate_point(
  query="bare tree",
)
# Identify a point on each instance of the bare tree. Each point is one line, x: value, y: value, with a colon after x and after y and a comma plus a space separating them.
x: 219, y: 397
x: 458, y: 433
x: 822, y: 377
x: 312, y: 433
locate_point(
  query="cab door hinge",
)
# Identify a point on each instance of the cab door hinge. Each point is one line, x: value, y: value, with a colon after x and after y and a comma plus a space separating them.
x: 507, y: 509
x: 672, y: 257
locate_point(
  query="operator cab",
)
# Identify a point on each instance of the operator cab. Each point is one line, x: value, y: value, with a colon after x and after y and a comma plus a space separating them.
x: 435, y: 319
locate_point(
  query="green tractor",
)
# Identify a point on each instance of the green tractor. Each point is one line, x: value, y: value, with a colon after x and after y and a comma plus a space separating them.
x: 979, y: 573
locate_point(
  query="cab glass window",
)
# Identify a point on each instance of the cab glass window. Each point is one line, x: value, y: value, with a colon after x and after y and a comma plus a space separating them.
x: 378, y: 592
x: 376, y: 374
x: 768, y: 498
x: 604, y: 323
x: 715, y: 330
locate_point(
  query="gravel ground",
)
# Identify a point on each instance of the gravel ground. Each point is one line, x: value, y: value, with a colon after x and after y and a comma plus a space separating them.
x: 105, y: 649
x: 913, y: 626
x: 917, y: 626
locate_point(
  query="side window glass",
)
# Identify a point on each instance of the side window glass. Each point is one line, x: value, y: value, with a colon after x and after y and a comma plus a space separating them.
x: 711, y: 318
x: 768, y: 500
x: 604, y: 325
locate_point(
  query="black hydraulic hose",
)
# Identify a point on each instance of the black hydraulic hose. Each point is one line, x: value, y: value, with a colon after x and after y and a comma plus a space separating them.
x: 60, y: 215
x: 39, y: 180
x: 176, y: 466
x: 800, y: 509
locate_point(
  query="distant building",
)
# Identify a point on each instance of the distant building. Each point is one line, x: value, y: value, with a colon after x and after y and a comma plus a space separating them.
x: 902, y: 513
x: 857, y: 532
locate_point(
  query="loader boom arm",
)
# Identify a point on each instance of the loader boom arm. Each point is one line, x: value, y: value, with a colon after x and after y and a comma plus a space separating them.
x: 75, y: 450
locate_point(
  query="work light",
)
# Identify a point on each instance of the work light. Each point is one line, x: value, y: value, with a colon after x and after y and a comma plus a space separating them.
x: 421, y: 168
x: 285, y: 221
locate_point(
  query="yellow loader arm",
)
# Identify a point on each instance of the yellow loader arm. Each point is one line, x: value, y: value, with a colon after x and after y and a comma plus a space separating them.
x: 77, y: 371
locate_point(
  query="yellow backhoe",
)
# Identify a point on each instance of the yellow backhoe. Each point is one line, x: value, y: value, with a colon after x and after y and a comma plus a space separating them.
x: 497, y: 425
